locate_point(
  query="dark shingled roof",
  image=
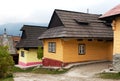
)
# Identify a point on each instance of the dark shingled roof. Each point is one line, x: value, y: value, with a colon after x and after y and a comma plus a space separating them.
x: 76, y: 25
x: 29, y: 38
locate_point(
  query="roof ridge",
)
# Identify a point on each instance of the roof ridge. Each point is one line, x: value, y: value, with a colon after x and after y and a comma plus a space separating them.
x: 31, y: 26
x: 76, y: 12
x: 34, y: 26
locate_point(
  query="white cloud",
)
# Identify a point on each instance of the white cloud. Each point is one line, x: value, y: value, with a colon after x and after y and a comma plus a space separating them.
x: 40, y: 11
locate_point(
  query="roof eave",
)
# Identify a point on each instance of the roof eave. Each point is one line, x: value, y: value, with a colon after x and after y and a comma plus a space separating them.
x: 26, y: 47
x: 78, y: 37
x: 109, y: 18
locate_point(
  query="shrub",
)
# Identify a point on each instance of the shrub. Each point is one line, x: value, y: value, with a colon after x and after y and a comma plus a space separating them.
x: 40, y: 52
x: 6, y: 62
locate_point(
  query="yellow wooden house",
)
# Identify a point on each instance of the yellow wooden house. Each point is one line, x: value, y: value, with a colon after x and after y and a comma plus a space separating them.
x: 113, y: 16
x: 74, y: 37
x: 28, y: 45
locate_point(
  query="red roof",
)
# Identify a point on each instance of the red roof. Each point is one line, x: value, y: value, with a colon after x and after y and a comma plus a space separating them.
x: 112, y: 12
x: 16, y: 38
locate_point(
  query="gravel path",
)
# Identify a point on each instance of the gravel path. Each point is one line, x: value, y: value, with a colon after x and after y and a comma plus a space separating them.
x: 81, y: 73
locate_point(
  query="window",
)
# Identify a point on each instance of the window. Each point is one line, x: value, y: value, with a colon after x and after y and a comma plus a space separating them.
x: 79, y: 39
x: 26, y: 49
x: 89, y: 39
x: 82, y: 21
x: 81, y: 49
x: 52, y: 47
x: 100, y: 40
x: 22, y: 54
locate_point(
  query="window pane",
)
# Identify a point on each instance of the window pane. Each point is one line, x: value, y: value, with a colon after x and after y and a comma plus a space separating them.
x: 54, y: 47
x: 51, y: 46
x: 81, y: 49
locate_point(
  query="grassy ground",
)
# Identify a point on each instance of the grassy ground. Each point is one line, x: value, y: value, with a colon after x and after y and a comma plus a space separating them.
x: 7, y: 79
x: 33, y: 70
x: 49, y: 71
x: 110, y: 75
x: 17, y: 69
x: 40, y: 70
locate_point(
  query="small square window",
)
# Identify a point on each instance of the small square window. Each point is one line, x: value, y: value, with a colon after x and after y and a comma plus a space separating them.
x: 90, y: 40
x: 52, y: 47
x: 100, y: 40
x: 22, y: 54
x: 81, y: 49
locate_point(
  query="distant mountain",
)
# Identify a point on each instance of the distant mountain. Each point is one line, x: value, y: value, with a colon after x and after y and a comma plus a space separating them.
x: 14, y: 28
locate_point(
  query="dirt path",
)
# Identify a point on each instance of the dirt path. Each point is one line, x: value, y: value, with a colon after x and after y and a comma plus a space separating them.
x: 81, y: 73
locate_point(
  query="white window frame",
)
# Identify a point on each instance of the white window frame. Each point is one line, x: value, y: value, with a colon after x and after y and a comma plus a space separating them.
x: 81, y: 49
x: 51, y: 47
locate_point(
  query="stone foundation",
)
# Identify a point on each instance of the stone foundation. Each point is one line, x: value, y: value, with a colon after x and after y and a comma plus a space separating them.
x: 116, y: 62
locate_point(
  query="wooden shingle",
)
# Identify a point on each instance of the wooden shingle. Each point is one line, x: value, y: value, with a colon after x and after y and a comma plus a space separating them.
x: 92, y: 26
x: 29, y: 38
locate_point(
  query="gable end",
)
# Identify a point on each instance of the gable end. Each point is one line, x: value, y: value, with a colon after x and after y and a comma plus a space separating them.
x: 55, y: 21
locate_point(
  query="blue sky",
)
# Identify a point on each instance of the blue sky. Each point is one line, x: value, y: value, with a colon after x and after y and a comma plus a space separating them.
x: 40, y: 11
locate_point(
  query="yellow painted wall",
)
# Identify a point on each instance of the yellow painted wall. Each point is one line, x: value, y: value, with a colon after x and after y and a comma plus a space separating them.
x: 32, y: 56
x: 110, y: 51
x: 22, y: 59
x: 58, y: 55
x: 29, y: 56
x: 117, y: 36
x: 67, y: 50
x: 95, y: 50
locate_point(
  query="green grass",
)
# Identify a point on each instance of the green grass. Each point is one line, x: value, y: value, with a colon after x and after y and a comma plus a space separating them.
x: 37, y: 70
x: 17, y: 69
x: 40, y: 70
x: 7, y: 79
x: 49, y: 71
x: 110, y: 75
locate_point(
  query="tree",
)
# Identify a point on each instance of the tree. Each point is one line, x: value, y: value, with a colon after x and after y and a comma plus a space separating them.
x: 6, y: 62
x: 40, y: 52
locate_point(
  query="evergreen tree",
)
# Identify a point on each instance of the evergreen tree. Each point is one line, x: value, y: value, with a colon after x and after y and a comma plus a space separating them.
x: 6, y: 62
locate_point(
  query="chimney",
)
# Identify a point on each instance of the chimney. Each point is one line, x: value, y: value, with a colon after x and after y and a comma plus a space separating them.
x: 87, y: 10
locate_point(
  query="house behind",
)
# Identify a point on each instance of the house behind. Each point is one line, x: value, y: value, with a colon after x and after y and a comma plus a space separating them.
x: 28, y: 45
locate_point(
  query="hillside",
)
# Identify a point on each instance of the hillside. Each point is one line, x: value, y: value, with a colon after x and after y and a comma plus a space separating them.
x: 14, y: 28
